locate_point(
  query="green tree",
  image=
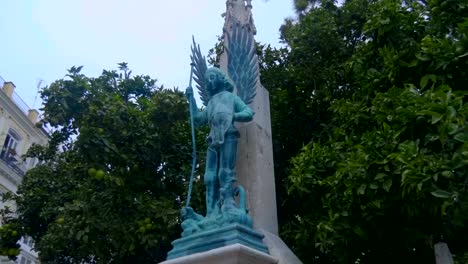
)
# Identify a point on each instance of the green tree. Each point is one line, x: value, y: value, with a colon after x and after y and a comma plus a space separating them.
x: 9, y: 231
x: 110, y: 195
x: 303, y: 78
x: 384, y: 178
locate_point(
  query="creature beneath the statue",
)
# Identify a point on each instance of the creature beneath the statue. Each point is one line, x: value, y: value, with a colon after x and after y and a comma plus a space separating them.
x: 223, y: 109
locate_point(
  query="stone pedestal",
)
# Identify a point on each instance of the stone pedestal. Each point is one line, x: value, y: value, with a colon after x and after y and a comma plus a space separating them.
x: 218, y: 238
x: 232, y: 254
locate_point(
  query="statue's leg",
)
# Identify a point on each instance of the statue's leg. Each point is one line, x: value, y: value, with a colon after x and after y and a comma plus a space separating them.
x: 227, y: 175
x: 211, y: 181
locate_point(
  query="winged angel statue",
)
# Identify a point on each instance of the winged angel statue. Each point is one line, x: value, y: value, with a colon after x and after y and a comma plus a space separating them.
x: 223, y: 109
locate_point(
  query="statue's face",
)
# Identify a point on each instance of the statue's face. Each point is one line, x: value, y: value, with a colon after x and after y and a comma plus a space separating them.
x: 214, y: 82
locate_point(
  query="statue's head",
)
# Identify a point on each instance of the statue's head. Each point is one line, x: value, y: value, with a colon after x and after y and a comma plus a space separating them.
x: 217, y: 81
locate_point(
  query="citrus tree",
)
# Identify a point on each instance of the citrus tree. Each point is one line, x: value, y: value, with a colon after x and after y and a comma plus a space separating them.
x: 385, y: 178
x: 113, y: 176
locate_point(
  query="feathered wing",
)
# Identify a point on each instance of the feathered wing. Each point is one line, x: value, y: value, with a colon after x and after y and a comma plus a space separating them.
x: 199, y: 69
x: 242, y: 62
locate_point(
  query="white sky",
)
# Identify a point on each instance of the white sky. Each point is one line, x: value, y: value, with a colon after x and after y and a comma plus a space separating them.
x: 41, y: 39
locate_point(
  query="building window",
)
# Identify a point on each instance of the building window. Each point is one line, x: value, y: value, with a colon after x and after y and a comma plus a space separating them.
x: 25, y: 260
x: 10, y: 146
x: 9, y: 152
x: 28, y: 241
x: 32, y: 162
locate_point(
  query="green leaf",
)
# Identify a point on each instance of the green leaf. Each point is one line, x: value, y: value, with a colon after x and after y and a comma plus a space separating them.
x: 380, y: 176
x: 426, y: 78
x: 358, y: 230
x: 386, y: 168
x: 463, y: 55
x: 387, y: 184
x: 362, y: 189
x: 376, y: 203
x: 441, y: 194
x: 423, y: 57
x: 451, y: 111
x: 419, y: 186
x: 462, y: 137
x: 436, y: 117
x: 447, y: 174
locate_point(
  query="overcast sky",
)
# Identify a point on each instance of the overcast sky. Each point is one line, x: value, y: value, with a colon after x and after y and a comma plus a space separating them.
x: 40, y: 39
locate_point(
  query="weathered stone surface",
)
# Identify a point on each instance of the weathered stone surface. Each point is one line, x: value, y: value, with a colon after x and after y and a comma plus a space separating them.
x: 278, y: 249
x: 442, y: 254
x: 255, y: 164
x: 232, y: 254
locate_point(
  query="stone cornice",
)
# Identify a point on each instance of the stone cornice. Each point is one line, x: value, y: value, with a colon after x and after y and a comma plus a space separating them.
x: 18, y: 115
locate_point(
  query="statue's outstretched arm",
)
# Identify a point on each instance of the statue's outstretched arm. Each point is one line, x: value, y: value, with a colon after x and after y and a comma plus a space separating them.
x: 242, y: 112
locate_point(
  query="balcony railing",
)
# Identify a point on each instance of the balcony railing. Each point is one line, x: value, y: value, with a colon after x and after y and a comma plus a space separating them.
x: 12, y: 162
x: 20, y: 103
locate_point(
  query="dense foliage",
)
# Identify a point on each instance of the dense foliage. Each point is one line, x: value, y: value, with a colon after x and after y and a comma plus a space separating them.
x: 9, y: 234
x: 112, y: 192
x: 377, y: 91
x: 368, y: 104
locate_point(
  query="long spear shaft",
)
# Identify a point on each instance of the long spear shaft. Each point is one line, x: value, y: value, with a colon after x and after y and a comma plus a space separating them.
x: 194, y: 151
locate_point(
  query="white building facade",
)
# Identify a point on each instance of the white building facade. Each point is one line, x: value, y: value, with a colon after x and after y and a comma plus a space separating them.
x: 18, y: 131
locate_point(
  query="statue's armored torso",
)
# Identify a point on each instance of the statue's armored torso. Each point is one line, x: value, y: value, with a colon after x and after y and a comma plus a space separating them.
x: 220, y: 113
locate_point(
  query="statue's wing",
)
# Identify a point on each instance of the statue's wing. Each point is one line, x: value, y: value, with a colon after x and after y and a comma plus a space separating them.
x: 242, y: 62
x: 199, y: 69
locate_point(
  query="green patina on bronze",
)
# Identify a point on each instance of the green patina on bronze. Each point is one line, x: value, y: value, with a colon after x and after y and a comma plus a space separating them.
x: 223, y: 109
x: 226, y: 221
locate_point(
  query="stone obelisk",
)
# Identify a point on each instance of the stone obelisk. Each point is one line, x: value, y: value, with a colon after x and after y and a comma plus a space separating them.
x: 255, y: 153
x: 255, y: 150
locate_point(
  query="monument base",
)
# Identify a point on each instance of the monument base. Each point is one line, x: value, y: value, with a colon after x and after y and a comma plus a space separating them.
x: 279, y: 250
x: 232, y: 254
x: 217, y: 238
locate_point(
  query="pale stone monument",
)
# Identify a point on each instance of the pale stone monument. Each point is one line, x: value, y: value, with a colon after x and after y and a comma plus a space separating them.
x: 239, y: 157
